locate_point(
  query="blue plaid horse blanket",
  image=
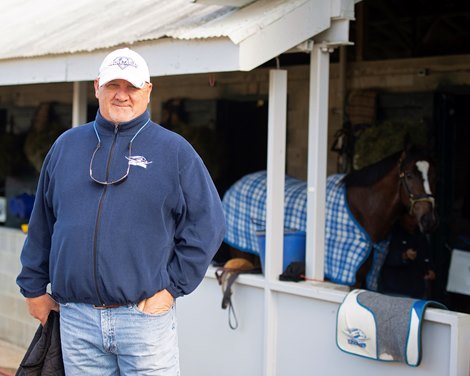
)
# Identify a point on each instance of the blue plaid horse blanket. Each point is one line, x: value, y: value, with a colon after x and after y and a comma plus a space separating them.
x: 347, y: 245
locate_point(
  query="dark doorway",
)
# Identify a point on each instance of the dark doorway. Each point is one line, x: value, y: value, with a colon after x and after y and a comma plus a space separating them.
x: 243, y: 129
x: 452, y: 119
x: 243, y: 126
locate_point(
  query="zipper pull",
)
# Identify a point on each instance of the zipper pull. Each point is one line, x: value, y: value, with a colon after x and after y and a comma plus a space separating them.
x: 116, y: 128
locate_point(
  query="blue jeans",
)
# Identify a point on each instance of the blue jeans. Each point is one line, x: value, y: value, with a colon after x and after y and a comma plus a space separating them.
x: 118, y: 341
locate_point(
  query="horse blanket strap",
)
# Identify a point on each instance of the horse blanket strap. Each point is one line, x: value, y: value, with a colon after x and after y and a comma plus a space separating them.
x: 245, y: 209
x: 226, y: 276
x: 347, y: 244
x: 382, y: 327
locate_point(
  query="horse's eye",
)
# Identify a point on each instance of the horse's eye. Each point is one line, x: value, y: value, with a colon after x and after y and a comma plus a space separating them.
x: 409, y: 175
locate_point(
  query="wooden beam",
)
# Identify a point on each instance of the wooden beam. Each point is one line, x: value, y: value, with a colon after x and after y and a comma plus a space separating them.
x: 360, y: 36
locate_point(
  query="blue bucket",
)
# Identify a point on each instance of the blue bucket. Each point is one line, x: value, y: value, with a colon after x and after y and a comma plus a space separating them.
x: 294, y: 247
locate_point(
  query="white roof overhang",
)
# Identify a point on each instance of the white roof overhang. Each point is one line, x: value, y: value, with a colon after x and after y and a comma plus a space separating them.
x: 56, y: 41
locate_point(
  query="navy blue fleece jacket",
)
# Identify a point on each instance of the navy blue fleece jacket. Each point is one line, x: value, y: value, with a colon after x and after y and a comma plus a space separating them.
x: 108, y: 244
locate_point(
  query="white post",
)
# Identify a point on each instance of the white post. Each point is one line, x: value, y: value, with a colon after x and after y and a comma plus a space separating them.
x: 79, y: 106
x: 459, y: 363
x: 317, y: 153
x: 274, y: 210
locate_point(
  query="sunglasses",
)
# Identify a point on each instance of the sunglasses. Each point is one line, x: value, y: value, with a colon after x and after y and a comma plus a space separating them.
x: 124, y: 177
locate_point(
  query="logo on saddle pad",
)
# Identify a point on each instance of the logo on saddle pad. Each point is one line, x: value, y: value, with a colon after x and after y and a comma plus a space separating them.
x: 138, y: 161
x: 356, y: 337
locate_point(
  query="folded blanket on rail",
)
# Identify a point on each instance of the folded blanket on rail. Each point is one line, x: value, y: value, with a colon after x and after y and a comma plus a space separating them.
x: 347, y: 245
x: 382, y: 327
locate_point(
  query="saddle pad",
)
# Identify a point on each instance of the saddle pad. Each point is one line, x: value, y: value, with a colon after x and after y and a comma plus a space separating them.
x: 381, y: 327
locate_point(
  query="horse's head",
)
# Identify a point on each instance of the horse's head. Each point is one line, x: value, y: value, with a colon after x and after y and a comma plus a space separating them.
x: 417, y: 187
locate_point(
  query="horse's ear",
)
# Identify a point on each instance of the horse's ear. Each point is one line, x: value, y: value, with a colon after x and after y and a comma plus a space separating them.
x: 407, y: 143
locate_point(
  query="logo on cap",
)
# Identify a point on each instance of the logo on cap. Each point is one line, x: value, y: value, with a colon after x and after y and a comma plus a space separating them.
x: 123, y: 62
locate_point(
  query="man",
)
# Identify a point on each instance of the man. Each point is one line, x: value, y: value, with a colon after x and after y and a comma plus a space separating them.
x: 126, y: 219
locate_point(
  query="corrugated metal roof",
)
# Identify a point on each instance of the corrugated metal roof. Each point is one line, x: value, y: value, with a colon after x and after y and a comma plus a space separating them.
x: 37, y: 28
x: 242, y: 23
x: 63, y: 41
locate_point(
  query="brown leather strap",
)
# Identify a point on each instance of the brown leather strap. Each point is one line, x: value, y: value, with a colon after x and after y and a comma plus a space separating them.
x: 226, y: 277
x: 108, y: 306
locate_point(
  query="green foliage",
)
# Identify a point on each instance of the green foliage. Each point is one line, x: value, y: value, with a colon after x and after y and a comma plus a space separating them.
x: 383, y: 139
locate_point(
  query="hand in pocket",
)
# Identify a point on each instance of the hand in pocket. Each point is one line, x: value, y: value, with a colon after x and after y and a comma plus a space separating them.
x: 159, y: 303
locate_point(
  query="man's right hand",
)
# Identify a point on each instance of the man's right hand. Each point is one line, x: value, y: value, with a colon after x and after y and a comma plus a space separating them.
x: 40, y: 307
x: 410, y: 254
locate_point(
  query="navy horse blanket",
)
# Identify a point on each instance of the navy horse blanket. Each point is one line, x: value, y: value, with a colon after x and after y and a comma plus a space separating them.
x: 347, y: 245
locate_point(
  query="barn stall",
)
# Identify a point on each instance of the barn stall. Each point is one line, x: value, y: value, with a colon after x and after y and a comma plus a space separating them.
x: 285, y: 328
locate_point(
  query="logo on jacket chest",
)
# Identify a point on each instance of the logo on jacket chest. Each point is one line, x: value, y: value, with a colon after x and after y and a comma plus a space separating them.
x: 138, y: 160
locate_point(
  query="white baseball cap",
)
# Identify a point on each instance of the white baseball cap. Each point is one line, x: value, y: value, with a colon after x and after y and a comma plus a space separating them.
x: 124, y: 64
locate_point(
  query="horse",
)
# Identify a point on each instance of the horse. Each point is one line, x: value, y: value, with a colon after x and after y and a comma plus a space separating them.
x: 361, y: 208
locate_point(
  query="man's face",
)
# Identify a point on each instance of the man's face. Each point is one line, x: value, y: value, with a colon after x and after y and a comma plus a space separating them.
x: 120, y: 101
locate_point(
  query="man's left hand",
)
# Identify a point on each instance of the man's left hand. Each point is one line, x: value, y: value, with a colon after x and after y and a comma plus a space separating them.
x: 161, y: 302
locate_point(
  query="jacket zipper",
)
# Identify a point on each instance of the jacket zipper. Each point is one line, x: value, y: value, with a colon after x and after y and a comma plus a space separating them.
x: 98, y: 217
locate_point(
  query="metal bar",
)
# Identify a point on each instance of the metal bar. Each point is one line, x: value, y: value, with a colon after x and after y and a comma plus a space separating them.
x: 79, y: 105
x: 317, y: 156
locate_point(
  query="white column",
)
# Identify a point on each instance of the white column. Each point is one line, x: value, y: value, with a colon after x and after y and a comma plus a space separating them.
x: 274, y: 210
x: 79, y: 105
x: 317, y: 154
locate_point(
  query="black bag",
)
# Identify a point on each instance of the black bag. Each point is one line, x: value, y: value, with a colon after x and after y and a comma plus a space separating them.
x: 44, y: 354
